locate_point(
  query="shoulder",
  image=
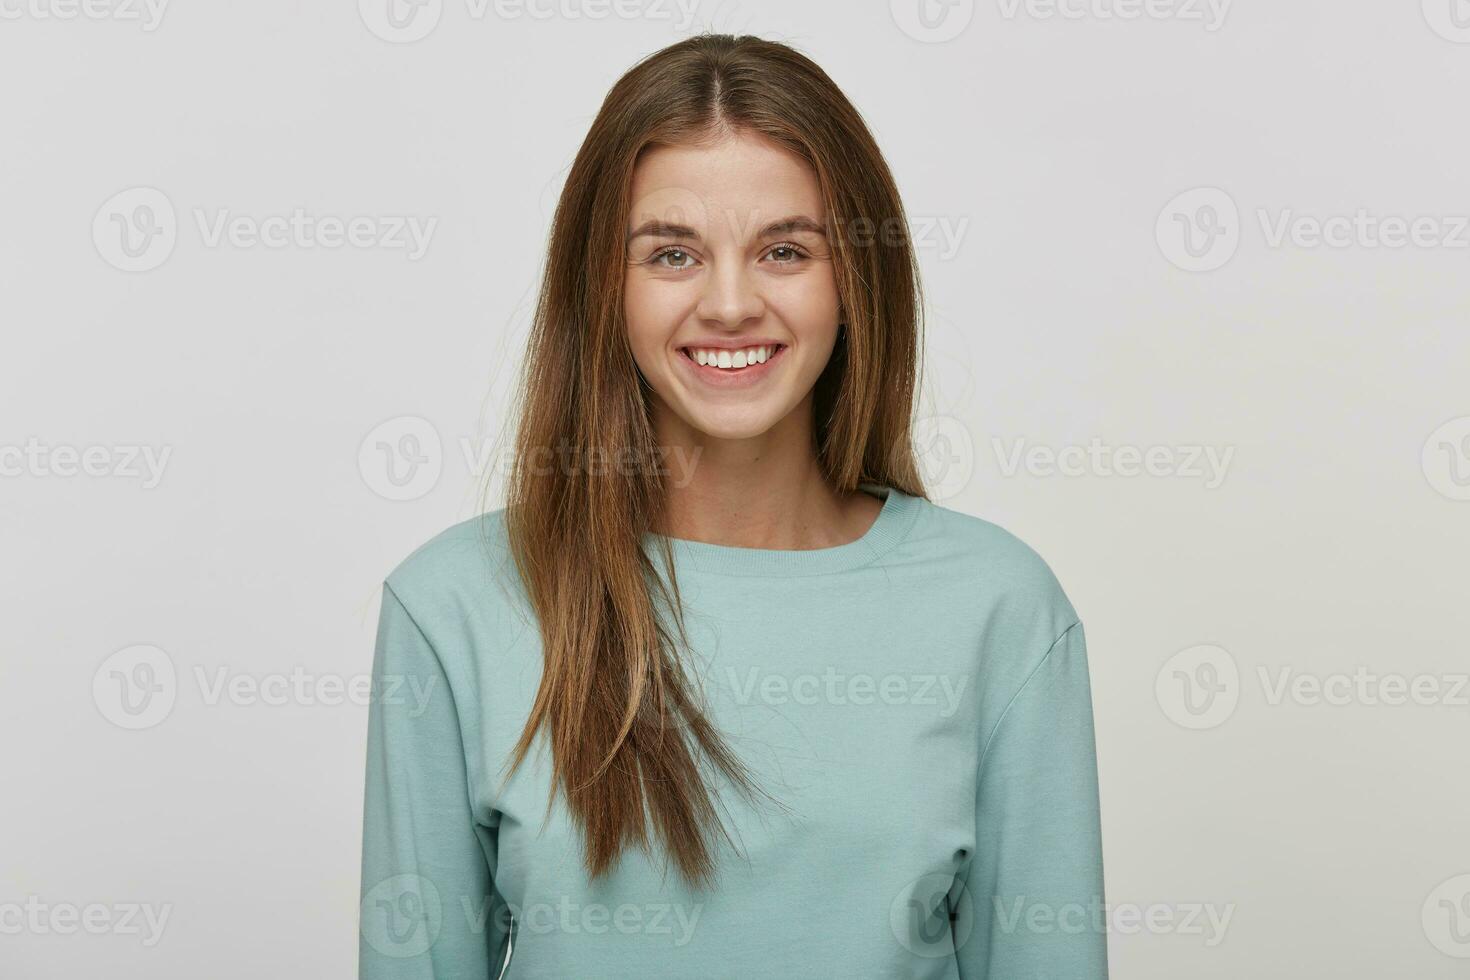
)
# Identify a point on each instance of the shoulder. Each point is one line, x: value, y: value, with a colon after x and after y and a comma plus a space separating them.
x: 990, y: 554
x: 459, y: 574
x: 997, y: 573
x: 1002, y: 596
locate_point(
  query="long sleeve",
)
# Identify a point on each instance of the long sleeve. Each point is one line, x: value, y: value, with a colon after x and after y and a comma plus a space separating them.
x: 429, y: 908
x: 1035, y: 882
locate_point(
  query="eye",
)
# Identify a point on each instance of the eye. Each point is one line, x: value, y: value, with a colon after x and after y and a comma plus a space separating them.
x: 793, y: 253
x: 683, y: 260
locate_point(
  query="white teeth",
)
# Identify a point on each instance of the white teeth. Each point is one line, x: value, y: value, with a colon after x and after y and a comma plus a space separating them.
x: 725, y: 358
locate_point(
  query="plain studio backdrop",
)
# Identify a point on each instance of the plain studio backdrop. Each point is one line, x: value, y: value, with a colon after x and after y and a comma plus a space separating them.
x: 1196, y: 282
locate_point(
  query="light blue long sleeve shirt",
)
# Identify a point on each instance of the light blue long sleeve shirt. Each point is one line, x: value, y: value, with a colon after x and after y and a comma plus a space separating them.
x: 918, y: 698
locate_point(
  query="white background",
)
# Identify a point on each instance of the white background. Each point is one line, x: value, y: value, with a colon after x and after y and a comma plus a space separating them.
x: 1054, y: 149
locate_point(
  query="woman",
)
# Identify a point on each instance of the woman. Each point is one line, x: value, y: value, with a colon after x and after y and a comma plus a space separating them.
x: 719, y: 692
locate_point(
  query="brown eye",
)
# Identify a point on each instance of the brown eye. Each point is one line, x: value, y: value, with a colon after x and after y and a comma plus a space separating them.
x: 683, y: 261
x: 786, y: 253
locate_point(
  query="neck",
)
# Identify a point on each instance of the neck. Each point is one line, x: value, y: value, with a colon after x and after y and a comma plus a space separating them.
x: 767, y: 491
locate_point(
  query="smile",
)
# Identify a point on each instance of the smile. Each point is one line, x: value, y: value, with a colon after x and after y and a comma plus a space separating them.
x: 727, y: 360
x: 724, y: 365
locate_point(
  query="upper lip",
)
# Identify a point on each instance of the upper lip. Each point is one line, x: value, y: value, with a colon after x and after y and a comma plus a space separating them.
x: 730, y: 344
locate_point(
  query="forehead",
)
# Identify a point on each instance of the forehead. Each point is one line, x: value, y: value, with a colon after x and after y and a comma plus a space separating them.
x: 745, y: 177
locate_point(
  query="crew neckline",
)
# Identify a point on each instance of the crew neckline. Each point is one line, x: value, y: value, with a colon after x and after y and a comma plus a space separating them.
x: 893, y: 522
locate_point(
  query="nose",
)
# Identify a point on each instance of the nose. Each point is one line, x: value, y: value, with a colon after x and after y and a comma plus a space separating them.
x: 730, y: 297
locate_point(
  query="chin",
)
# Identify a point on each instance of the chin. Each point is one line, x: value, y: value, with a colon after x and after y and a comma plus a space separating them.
x: 731, y: 425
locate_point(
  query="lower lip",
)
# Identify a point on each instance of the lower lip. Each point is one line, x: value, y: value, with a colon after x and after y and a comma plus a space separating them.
x: 731, y: 377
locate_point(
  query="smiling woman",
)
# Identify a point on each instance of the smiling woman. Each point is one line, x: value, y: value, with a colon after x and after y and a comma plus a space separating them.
x: 852, y: 722
x: 732, y: 316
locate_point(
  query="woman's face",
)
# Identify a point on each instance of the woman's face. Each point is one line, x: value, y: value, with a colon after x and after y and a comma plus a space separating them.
x: 728, y: 263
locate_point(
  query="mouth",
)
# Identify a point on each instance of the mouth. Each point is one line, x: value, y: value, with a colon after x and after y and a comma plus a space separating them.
x: 729, y: 367
x: 722, y: 359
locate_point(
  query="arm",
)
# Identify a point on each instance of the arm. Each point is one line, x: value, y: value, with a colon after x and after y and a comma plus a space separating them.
x: 429, y: 908
x: 1032, y: 893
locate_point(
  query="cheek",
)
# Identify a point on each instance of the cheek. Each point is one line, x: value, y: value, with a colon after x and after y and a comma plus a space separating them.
x: 809, y: 305
x: 652, y: 313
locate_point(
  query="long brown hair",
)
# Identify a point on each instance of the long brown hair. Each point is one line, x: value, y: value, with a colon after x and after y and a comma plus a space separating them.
x: 626, y: 731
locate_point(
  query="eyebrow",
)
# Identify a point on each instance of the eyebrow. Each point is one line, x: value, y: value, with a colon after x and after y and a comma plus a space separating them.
x: 795, y: 222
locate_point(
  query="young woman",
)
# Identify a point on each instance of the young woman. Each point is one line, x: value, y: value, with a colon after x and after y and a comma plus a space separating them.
x: 719, y: 692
